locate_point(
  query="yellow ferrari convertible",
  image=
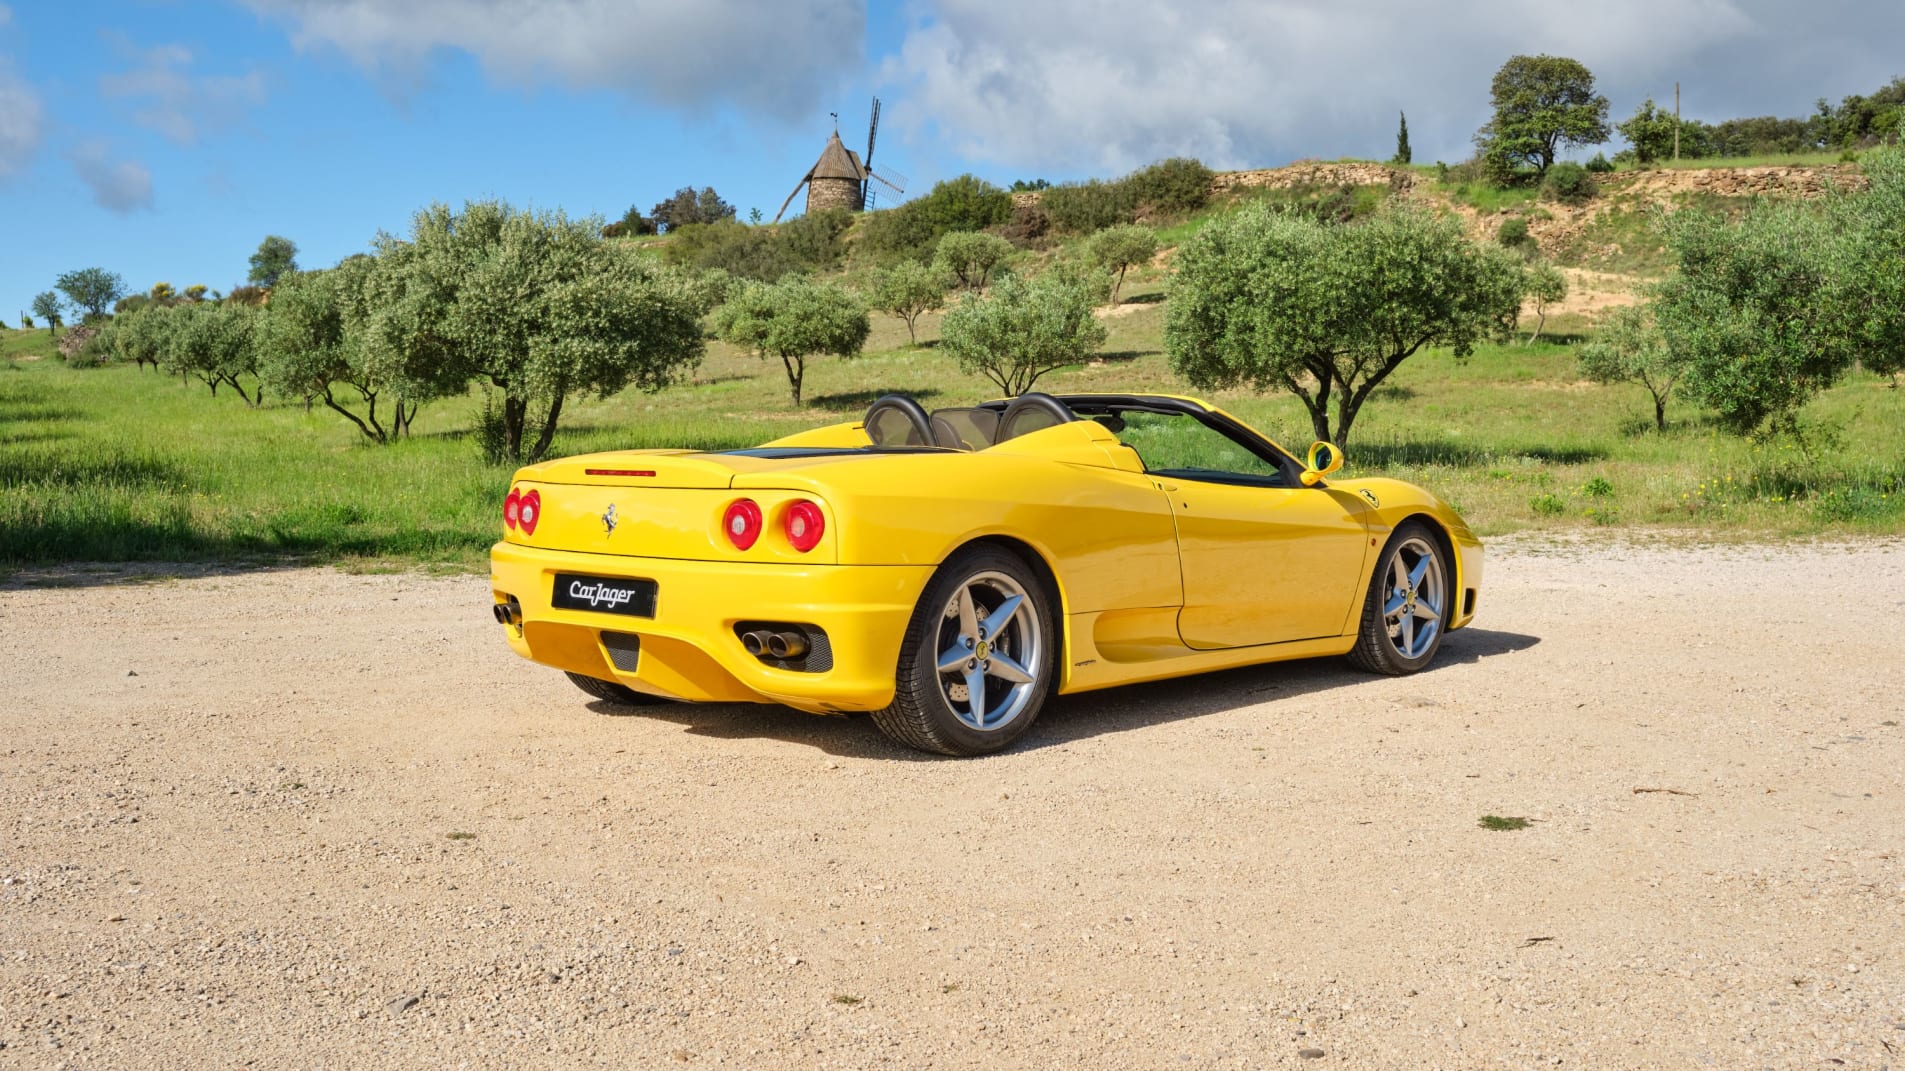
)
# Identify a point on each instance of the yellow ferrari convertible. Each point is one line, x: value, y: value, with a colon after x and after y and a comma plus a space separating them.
x: 949, y: 571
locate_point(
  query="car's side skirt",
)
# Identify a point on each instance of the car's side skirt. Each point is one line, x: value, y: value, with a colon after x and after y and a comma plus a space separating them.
x: 1143, y: 646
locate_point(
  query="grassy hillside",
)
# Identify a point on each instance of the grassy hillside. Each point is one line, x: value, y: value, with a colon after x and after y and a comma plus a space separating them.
x: 120, y: 464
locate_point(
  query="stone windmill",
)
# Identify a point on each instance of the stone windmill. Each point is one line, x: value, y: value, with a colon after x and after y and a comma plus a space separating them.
x: 839, y: 179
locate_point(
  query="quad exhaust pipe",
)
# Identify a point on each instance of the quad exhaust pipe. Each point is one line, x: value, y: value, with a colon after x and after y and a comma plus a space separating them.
x: 768, y: 643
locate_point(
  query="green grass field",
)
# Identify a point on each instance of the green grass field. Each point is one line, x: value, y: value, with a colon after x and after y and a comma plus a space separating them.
x: 118, y: 464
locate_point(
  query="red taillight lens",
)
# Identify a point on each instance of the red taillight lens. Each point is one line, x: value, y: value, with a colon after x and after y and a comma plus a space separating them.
x: 529, y: 511
x: 511, y: 506
x: 742, y: 522
x: 804, y: 525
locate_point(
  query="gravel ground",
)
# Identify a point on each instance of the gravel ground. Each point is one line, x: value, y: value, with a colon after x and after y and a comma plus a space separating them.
x: 316, y: 820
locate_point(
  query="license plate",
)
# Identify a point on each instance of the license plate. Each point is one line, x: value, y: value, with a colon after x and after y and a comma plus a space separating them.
x: 604, y: 595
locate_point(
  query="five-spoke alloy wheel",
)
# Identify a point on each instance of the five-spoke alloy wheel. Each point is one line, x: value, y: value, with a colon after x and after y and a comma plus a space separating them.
x: 976, y: 664
x: 1408, y: 604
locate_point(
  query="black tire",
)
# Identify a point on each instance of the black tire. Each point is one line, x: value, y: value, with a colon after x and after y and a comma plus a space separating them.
x: 933, y: 711
x: 611, y: 692
x: 1391, y: 643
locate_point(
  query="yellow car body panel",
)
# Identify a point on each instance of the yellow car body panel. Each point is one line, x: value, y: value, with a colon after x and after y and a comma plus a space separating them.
x: 1154, y: 575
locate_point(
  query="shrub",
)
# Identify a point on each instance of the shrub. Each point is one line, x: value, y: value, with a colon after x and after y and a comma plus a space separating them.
x: 1514, y: 234
x: 970, y: 257
x: 1088, y: 207
x: 1174, y: 187
x: 911, y: 230
x: 1028, y: 224
x: 1569, y: 183
x: 1600, y: 165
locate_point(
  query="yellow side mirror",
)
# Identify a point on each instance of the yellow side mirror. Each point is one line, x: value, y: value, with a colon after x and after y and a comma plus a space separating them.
x: 1323, y: 459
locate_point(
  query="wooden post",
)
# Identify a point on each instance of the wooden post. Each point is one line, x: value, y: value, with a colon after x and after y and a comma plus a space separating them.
x: 1676, y: 122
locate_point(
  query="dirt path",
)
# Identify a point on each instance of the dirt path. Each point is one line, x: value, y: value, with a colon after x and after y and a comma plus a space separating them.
x: 253, y: 852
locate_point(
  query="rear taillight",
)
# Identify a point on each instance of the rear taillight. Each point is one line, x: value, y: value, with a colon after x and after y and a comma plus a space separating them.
x: 511, y: 506
x: 528, y: 511
x: 804, y: 525
x: 742, y: 523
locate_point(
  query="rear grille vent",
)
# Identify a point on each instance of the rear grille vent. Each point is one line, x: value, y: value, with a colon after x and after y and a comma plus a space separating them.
x: 624, y: 648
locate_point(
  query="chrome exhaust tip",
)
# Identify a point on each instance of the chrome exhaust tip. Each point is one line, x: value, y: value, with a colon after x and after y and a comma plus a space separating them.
x: 787, y: 645
x: 755, y: 642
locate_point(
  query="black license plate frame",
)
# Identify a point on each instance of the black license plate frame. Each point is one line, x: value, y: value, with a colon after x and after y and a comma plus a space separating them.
x: 618, y: 595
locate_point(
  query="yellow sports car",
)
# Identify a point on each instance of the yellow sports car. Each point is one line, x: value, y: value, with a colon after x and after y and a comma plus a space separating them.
x: 949, y: 571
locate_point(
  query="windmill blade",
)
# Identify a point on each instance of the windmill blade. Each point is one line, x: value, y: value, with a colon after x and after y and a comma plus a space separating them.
x: 893, y: 179
x: 790, y: 197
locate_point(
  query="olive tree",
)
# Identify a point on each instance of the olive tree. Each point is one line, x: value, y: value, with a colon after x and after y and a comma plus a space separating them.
x: 1541, y: 103
x: 1627, y: 347
x: 535, y: 304
x: 794, y: 319
x: 1026, y: 327
x: 908, y: 289
x: 1544, y: 285
x: 311, y: 344
x: 970, y: 257
x: 1118, y: 249
x: 138, y: 335
x: 1872, y: 286
x: 1753, y: 312
x: 1326, y: 312
x: 212, y: 344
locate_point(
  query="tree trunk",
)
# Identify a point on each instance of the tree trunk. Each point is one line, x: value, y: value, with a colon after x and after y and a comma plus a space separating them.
x: 514, y: 409
x: 548, y: 428
x: 1660, y: 412
x: 374, y: 436
x: 1541, y: 318
x: 796, y: 371
x: 911, y: 336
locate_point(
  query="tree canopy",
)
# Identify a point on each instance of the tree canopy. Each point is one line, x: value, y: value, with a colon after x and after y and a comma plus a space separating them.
x: 535, y: 304
x: 1026, y: 327
x: 46, y: 305
x: 794, y: 319
x: 276, y: 256
x: 1627, y: 347
x: 1121, y: 248
x: 1271, y: 299
x: 1541, y: 103
x: 908, y: 289
x: 91, y: 290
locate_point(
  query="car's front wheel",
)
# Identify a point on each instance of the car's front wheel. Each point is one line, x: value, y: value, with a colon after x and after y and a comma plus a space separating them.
x: 977, y: 661
x: 1408, y: 604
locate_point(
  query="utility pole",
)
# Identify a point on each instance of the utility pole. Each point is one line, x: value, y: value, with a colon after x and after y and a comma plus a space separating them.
x: 1676, y: 122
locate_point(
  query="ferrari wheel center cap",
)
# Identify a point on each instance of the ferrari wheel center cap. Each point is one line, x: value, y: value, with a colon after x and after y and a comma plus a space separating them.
x: 982, y: 651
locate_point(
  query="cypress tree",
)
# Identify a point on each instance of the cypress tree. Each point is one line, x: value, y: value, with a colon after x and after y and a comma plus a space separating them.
x: 1402, y: 141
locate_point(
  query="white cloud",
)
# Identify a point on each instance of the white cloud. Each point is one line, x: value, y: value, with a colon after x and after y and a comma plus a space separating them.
x: 22, y: 122
x: 122, y: 186
x: 175, y: 102
x: 778, y: 58
x: 1106, y: 85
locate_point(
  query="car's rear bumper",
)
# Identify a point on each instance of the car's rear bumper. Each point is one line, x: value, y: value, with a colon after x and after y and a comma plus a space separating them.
x: 689, y: 649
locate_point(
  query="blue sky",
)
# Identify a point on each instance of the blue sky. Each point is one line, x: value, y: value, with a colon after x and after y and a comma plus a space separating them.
x: 163, y: 140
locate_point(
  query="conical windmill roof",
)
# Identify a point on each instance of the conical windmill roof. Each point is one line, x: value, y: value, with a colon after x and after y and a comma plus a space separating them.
x: 838, y: 162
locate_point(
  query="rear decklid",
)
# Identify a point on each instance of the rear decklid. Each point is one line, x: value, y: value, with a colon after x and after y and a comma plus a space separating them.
x: 656, y: 504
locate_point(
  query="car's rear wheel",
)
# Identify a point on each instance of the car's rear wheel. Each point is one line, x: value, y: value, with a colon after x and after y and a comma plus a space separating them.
x: 1408, y: 604
x: 977, y: 661
x: 613, y: 692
